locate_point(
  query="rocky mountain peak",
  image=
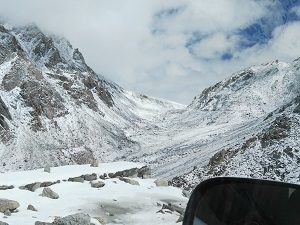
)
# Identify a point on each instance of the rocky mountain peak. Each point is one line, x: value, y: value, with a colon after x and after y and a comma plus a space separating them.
x: 48, y: 50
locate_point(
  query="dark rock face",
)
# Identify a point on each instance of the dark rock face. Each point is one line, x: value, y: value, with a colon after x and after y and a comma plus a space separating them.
x: 4, y: 112
x: 4, y: 128
x: 44, y: 102
x: 83, y: 157
x: 8, y: 45
x: 21, y: 71
x: 278, y: 130
x: 43, y: 46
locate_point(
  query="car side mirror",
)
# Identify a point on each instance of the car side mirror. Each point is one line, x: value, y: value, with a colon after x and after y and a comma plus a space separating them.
x: 241, y: 201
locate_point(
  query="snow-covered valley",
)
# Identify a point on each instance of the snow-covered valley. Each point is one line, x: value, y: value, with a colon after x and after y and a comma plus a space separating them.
x: 117, y: 202
x: 55, y: 110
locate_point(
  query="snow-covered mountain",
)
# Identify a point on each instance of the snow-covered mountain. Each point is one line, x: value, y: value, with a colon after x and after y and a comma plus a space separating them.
x: 245, y: 125
x: 55, y: 109
x: 257, y: 115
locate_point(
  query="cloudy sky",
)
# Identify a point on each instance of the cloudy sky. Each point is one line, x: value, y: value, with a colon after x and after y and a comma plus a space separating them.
x: 171, y: 49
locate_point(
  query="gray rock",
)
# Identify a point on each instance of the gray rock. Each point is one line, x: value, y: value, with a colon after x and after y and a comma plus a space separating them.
x: 6, y: 204
x: 180, y: 219
x: 144, y: 172
x: 47, y: 169
x: 89, y: 177
x: 42, y: 223
x: 75, y: 219
x: 49, y: 193
x: 97, y: 184
x: 127, y: 173
x: 6, y: 187
x: 7, y: 213
x: 129, y: 181
x: 161, y: 183
x: 186, y: 193
x: 174, y: 208
x: 76, y: 179
x: 49, y: 183
x: 95, y: 163
x: 32, y: 208
x: 32, y: 187
x: 3, y: 223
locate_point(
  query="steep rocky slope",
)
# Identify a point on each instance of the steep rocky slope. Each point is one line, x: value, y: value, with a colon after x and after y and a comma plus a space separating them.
x: 55, y: 109
x: 227, y: 116
x: 267, y: 144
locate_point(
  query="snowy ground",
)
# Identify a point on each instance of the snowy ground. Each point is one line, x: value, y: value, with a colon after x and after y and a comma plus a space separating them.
x: 115, y: 203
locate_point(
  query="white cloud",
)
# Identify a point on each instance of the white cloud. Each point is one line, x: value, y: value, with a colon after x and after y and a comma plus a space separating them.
x: 214, y: 45
x: 142, y: 44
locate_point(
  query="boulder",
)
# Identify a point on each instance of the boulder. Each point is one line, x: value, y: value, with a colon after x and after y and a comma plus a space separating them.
x: 95, y: 163
x: 76, y: 179
x: 112, y: 175
x: 33, y: 186
x: 89, y: 177
x: 42, y: 223
x: 48, y: 183
x: 47, y: 169
x: 32, y: 208
x: 127, y: 173
x: 49, y: 193
x: 161, y: 183
x: 97, y: 184
x: 75, y: 219
x: 6, y: 204
x: 144, y: 172
x: 3, y: 223
x: 129, y: 181
x: 6, y: 187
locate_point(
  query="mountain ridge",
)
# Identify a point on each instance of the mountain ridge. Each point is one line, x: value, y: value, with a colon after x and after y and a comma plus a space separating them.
x: 55, y: 109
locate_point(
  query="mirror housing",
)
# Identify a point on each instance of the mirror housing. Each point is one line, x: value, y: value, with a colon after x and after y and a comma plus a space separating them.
x: 243, y: 201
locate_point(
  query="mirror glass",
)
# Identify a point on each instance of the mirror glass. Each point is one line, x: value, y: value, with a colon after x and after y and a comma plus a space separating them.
x: 248, y: 204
